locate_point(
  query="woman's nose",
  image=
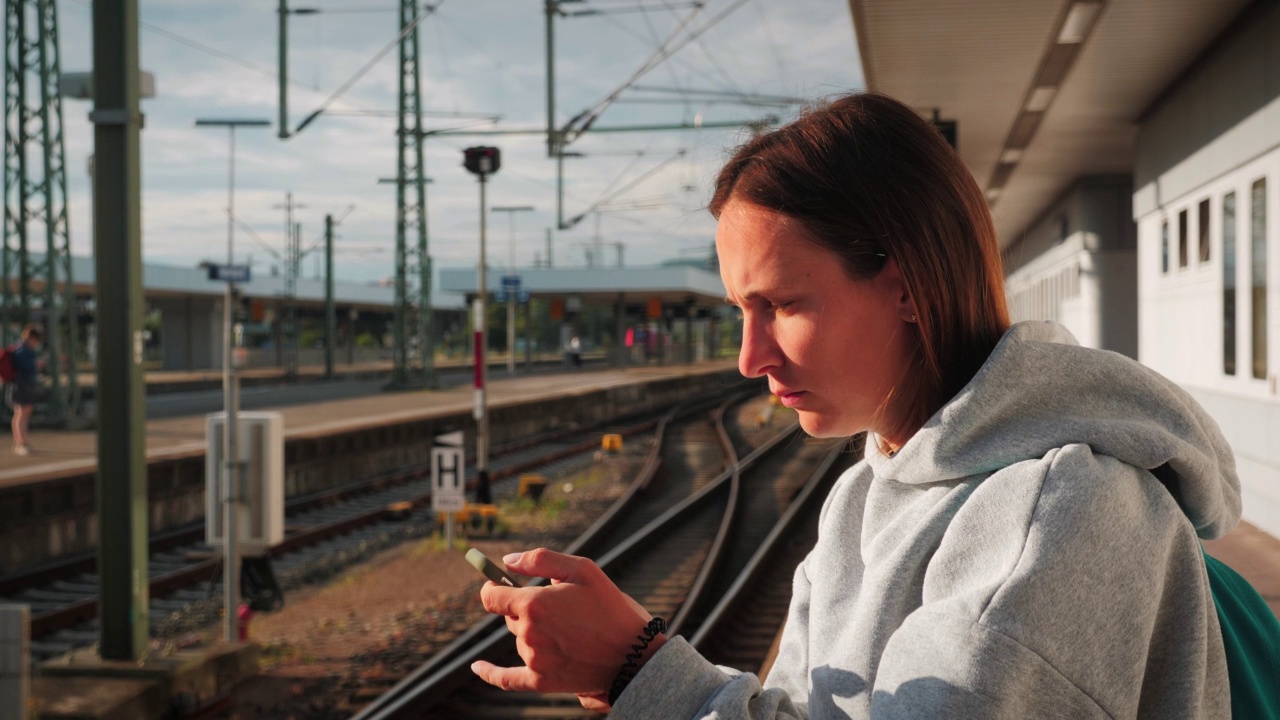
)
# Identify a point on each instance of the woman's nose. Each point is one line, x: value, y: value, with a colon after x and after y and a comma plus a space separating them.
x: 759, y: 353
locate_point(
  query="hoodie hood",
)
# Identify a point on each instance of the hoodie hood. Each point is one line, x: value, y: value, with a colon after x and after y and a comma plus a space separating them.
x: 1039, y: 390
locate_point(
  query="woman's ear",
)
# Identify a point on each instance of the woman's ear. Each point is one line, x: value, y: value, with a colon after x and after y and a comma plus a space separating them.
x: 890, y: 282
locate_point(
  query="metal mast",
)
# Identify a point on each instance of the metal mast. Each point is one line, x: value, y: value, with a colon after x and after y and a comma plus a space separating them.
x: 36, y: 285
x: 411, y: 219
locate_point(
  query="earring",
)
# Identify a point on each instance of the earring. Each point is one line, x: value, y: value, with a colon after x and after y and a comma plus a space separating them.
x: 913, y: 317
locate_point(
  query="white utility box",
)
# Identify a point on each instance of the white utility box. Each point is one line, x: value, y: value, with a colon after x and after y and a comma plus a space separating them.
x: 260, y: 445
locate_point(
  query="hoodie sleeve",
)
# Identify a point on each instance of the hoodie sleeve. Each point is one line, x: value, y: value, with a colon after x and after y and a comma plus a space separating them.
x: 679, y: 683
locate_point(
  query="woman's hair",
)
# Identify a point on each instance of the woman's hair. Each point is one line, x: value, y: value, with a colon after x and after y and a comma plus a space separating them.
x: 871, y: 180
x: 32, y: 332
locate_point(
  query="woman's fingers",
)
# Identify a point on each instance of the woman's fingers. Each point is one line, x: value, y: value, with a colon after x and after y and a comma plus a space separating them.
x: 516, y: 678
x: 549, y: 564
x: 598, y: 702
x: 502, y: 600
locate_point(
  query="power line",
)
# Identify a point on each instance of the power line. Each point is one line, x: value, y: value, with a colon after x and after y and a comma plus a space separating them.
x: 659, y: 54
x: 592, y: 114
x: 215, y: 52
x: 430, y: 9
x: 773, y: 44
x: 644, y: 176
x: 257, y: 239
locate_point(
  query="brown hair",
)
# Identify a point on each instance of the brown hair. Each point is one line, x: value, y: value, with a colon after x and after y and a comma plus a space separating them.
x: 871, y: 180
x: 32, y: 332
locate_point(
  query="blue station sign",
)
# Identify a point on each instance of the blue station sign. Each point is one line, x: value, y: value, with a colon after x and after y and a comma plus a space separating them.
x: 229, y: 273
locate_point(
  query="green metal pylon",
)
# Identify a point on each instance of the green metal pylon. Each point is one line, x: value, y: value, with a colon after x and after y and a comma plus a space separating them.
x: 37, y: 285
x: 411, y: 201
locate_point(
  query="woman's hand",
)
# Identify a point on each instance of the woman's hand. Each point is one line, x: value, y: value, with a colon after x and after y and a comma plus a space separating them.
x: 573, y: 635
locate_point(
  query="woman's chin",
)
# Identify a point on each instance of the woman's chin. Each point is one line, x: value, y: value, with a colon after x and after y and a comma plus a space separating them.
x: 821, y: 425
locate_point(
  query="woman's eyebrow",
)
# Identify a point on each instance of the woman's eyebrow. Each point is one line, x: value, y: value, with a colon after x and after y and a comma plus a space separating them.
x: 753, y: 295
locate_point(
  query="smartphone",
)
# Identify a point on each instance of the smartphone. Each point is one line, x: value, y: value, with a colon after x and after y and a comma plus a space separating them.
x: 489, y: 568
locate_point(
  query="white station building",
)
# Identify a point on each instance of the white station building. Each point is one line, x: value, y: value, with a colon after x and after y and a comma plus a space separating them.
x: 1130, y: 151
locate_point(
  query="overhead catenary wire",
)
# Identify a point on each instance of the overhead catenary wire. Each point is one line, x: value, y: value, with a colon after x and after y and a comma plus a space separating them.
x: 430, y: 9
x: 643, y: 176
x: 215, y: 52
x: 315, y: 244
x: 675, y: 80
x: 254, y: 236
x: 653, y: 41
x: 589, y: 116
x: 773, y: 44
x: 617, y: 179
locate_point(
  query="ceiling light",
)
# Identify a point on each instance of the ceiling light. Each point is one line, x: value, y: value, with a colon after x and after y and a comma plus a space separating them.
x: 1079, y: 21
x: 1039, y: 99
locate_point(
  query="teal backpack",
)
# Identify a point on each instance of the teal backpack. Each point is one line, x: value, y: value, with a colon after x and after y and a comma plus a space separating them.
x: 1251, y: 636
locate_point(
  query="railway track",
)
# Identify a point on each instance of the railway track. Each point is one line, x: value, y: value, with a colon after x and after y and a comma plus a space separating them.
x: 183, y: 570
x: 675, y: 564
x: 687, y: 452
x: 742, y: 630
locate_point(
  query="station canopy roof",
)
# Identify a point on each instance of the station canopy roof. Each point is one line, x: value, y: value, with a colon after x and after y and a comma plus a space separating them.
x: 166, y: 281
x: 1043, y: 91
x: 673, y: 284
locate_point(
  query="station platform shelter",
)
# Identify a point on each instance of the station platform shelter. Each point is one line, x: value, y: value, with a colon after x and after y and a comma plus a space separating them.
x: 1130, y: 153
x: 282, y: 327
x: 638, y: 315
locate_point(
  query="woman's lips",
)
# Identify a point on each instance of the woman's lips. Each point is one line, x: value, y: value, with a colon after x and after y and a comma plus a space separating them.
x: 790, y: 399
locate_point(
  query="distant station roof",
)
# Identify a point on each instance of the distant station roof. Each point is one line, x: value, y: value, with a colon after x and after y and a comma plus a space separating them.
x: 672, y: 284
x: 169, y: 281
x: 1043, y: 91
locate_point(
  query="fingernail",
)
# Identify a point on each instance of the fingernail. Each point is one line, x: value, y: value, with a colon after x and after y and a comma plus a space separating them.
x: 512, y: 559
x: 475, y: 667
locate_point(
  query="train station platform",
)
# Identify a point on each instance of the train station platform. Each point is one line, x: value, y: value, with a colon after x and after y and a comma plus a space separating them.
x: 169, y: 381
x: 57, y: 453
x: 48, y: 511
x: 68, y: 456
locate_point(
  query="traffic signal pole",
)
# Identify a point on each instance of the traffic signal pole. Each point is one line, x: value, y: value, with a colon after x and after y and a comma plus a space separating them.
x: 482, y: 162
x: 482, y: 369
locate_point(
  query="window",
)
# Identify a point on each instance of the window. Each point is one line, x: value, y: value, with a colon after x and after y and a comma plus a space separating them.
x: 1182, y: 239
x: 1258, y: 262
x: 1229, y: 284
x: 1164, y: 248
x: 1203, y: 217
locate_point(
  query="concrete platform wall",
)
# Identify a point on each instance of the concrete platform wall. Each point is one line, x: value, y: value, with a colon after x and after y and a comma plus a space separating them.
x: 42, y: 522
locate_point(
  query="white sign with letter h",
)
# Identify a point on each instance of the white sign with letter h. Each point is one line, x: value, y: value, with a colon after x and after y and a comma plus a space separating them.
x: 448, y: 473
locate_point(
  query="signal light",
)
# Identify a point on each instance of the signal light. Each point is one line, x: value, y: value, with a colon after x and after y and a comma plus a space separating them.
x: 482, y: 160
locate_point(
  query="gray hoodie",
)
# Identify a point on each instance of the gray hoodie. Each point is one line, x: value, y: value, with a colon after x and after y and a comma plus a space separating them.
x: 1031, y: 552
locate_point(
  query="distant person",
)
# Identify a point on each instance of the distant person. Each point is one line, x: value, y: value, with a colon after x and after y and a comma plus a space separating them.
x: 24, y: 391
x: 575, y: 351
x: 1022, y: 537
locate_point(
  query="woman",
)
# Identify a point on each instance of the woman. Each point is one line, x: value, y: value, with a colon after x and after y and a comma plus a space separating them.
x: 24, y: 391
x: 1020, y: 539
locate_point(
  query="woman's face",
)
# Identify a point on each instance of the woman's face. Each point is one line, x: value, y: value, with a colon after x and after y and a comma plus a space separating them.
x: 831, y: 347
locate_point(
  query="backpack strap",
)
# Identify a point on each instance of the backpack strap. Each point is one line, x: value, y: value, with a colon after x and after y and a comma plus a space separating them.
x: 1251, y: 638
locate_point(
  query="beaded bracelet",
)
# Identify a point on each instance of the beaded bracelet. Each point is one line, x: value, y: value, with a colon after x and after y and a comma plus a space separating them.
x: 629, y: 669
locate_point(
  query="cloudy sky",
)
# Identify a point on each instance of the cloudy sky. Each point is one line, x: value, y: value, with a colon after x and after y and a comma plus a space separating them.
x: 217, y: 59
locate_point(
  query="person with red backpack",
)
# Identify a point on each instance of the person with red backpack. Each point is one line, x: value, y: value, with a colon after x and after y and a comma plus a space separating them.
x: 23, y: 388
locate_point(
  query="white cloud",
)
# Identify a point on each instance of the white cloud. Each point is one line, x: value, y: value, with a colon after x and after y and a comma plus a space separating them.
x: 476, y: 56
